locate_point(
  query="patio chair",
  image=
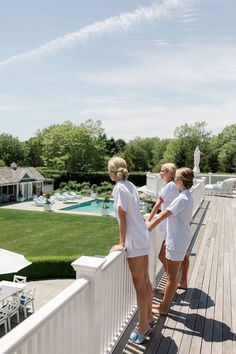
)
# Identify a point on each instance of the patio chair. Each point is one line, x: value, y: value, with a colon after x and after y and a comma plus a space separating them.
x: 11, y: 309
x: 19, y: 279
x: 26, y: 299
x: 3, y: 319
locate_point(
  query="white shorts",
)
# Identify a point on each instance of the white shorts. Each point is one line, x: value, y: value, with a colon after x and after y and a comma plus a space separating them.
x: 175, y: 255
x: 137, y: 252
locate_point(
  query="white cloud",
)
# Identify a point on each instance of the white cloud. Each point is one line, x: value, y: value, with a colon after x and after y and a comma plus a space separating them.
x: 125, y: 21
x: 184, y: 66
x: 128, y: 122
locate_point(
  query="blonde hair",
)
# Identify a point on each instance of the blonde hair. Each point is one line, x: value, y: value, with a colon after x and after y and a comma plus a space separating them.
x: 118, y: 166
x: 185, y: 174
x: 169, y: 167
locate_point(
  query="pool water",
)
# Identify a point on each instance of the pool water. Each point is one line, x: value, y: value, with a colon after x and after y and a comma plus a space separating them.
x: 93, y: 206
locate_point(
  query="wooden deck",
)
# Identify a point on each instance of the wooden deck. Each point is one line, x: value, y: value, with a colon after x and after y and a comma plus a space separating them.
x: 203, y: 318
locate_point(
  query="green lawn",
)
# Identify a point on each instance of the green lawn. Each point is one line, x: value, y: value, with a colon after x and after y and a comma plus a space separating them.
x: 37, y: 234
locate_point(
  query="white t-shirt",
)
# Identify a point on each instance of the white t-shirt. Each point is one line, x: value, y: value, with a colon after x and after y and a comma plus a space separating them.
x: 178, y: 223
x: 126, y: 196
x: 168, y: 193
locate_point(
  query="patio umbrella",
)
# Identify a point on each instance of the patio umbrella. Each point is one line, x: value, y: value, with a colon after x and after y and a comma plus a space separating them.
x: 196, y: 169
x: 11, y: 262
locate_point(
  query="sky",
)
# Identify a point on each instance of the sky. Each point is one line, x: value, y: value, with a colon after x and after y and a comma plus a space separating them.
x: 142, y: 68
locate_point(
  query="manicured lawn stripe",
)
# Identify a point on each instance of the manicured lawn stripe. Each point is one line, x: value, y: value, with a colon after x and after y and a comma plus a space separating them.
x: 37, y: 234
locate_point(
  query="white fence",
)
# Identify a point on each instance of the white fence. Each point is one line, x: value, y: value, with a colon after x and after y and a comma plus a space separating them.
x: 198, y: 191
x: 91, y: 314
x: 153, y: 183
x: 213, y: 178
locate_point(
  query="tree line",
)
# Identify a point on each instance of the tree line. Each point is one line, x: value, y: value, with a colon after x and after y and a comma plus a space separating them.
x: 86, y: 147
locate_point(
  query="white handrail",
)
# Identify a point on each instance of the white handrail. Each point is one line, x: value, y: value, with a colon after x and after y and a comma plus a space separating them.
x: 198, y: 191
x: 54, y: 328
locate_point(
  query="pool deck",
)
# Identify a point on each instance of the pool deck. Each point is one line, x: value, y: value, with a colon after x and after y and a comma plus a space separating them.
x: 56, y: 207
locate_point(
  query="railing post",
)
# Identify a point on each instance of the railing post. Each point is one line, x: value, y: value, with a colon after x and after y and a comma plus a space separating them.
x: 155, y: 238
x: 91, y: 268
x: 209, y: 174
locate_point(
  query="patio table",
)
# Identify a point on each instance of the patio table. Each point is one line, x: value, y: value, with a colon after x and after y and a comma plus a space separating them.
x: 9, y: 288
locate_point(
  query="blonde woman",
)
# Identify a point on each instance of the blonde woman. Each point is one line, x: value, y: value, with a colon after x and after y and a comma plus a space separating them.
x: 133, y: 237
x: 179, y: 216
x: 168, y: 193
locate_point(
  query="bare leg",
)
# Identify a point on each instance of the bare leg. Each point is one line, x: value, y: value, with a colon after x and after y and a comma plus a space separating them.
x: 184, y: 270
x: 139, y: 271
x: 171, y: 286
x: 149, y: 294
x: 162, y: 254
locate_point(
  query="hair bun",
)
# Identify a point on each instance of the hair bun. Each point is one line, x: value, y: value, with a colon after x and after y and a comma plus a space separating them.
x: 122, y: 173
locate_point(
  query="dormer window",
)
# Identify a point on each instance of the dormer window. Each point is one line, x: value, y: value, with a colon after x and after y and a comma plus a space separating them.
x: 26, y: 176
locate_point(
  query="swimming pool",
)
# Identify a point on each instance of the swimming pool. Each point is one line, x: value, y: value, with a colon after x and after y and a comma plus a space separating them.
x: 90, y: 207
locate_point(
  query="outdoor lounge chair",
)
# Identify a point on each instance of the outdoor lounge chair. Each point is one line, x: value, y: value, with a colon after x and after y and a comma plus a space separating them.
x: 38, y: 202
x: 68, y: 196
x: 60, y: 197
x: 77, y: 196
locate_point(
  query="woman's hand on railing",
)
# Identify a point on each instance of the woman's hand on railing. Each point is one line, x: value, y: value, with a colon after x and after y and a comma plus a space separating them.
x: 150, y: 226
x: 116, y: 248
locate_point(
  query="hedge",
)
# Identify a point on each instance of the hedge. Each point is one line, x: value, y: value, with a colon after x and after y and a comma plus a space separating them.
x: 138, y: 178
x: 46, y: 268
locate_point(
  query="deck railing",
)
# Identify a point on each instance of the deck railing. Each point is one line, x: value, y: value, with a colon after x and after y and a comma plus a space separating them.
x: 153, y: 183
x: 90, y: 315
x: 198, y: 191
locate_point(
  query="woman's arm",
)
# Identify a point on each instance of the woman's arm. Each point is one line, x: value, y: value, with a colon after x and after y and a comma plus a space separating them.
x: 163, y: 215
x: 155, y: 208
x: 122, y: 231
x: 122, y: 217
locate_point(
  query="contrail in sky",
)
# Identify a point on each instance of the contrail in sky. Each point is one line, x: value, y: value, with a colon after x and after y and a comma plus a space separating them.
x: 123, y: 22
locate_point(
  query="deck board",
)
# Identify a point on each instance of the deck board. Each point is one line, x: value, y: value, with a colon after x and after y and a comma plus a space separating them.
x: 203, y: 318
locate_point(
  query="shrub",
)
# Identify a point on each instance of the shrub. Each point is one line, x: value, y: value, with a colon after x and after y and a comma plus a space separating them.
x: 47, y: 268
x: 62, y: 185
x: 72, y: 185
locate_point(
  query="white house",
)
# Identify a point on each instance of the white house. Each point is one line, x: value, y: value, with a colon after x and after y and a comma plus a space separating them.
x: 21, y: 183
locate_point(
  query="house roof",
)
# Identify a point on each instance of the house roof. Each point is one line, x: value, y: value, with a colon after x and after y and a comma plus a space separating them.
x: 11, y: 176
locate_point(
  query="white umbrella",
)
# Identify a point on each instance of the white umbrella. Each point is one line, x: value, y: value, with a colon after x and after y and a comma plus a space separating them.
x: 11, y: 262
x: 196, y: 169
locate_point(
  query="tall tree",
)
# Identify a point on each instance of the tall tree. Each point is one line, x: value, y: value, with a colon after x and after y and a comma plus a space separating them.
x: 11, y: 149
x: 158, y: 151
x: 140, y: 151
x: 223, y: 149
x: 33, y: 151
x: 74, y: 147
x: 227, y: 157
x: 187, y: 137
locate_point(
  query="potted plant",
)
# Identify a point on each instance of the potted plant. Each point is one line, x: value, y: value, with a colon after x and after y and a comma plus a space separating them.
x: 105, y: 205
x: 147, y: 203
x: 94, y: 191
x: 48, y: 205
